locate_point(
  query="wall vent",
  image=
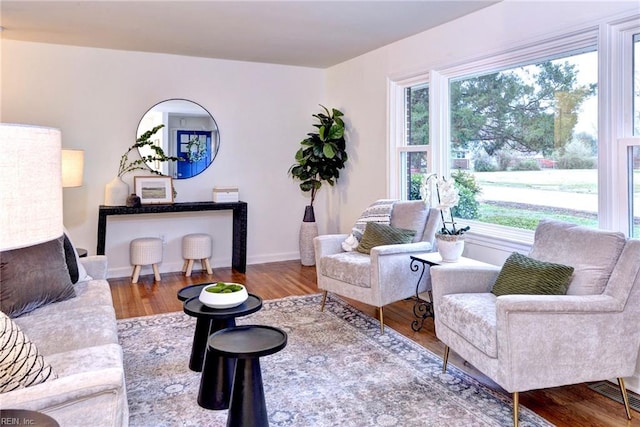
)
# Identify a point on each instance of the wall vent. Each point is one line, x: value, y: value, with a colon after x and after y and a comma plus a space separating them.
x: 612, y: 391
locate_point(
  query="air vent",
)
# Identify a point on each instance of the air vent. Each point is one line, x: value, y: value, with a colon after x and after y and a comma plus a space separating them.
x: 612, y: 391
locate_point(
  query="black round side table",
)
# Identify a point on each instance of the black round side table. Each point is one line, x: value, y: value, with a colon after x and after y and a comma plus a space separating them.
x: 217, y: 372
x: 247, y: 344
x: 191, y: 291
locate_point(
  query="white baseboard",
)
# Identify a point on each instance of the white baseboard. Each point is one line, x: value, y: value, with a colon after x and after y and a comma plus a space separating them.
x: 169, y: 267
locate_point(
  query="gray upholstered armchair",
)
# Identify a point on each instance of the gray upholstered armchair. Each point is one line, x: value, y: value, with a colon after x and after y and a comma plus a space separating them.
x: 527, y: 342
x: 383, y: 276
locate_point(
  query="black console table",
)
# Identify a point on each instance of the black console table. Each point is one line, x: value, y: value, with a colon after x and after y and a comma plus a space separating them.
x: 239, y: 255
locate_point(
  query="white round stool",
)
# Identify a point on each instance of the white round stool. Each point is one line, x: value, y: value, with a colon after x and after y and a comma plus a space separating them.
x: 145, y: 251
x: 196, y: 247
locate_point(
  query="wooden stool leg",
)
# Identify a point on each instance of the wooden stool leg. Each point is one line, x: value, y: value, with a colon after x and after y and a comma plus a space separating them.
x: 136, y: 273
x: 189, y: 267
x: 184, y: 265
x: 206, y: 264
x: 156, y: 273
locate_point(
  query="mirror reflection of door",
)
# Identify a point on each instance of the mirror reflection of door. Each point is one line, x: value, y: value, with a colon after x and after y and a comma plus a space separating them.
x: 194, y: 146
x: 189, y: 132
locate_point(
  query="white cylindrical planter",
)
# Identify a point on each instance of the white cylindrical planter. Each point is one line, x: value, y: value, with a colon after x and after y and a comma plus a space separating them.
x: 450, y: 247
x: 116, y: 192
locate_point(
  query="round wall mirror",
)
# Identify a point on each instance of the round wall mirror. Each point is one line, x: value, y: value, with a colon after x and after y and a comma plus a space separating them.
x: 189, y: 132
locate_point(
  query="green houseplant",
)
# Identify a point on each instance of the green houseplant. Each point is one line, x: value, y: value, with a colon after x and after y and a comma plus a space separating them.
x: 144, y: 140
x: 322, y: 154
x: 318, y: 160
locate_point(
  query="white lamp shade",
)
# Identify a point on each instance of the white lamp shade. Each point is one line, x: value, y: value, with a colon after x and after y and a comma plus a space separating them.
x: 72, y: 168
x: 30, y: 185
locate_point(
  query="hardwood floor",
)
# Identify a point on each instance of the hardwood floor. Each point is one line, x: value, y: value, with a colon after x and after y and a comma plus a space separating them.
x: 574, y: 405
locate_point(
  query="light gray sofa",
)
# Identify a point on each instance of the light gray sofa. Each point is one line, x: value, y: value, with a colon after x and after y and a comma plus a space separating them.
x: 79, y: 338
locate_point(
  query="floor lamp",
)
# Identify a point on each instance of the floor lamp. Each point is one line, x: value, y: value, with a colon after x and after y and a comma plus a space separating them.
x: 30, y: 185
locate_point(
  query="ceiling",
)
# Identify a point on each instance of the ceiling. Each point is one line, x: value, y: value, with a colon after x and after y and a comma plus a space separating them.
x: 303, y: 32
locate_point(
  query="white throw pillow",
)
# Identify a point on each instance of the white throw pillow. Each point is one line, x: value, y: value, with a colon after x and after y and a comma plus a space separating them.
x: 21, y: 365
x: 379, y: 212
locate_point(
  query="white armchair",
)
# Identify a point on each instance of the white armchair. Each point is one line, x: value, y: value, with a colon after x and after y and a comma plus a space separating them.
x: 527, y: 342
x: 383, y: 276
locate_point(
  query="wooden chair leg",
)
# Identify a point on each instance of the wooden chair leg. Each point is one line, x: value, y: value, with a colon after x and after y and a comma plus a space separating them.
x: 189, y: 268
x: 135, y: 274
x: 516, y: 405
x: 625, y: 397
x: 184, y: 265
x: 445, y: 359
x: 206, y: 264
x: 324, y: 300
x: 156, y: 272
x: 381, y: 311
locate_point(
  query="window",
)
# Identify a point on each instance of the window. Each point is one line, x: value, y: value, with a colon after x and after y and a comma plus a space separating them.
x: 524, y: 142
x: 633, y: 146
x: 410, y: 157
x: 529, y: 133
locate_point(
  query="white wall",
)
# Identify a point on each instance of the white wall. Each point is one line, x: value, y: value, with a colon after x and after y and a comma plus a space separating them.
x: 97, y: 96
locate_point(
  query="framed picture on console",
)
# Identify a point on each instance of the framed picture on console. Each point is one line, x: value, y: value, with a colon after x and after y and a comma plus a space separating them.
x: 152, y: 190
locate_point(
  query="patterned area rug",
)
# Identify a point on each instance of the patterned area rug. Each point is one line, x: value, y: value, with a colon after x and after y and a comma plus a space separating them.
x: 336, y: 370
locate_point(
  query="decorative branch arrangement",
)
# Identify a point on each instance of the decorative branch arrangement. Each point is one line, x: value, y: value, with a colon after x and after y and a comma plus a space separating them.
x: 140, y: 164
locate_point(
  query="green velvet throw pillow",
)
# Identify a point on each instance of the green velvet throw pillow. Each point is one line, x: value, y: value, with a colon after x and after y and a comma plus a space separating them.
x: 380, y: 234
x: 523, y: 275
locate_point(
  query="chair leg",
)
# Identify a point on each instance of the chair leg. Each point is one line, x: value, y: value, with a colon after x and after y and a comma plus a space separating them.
x: 207, y: 265
x: 156, y: 272
x: 135, y: 274
x: 184, y: 265
x: 625, y: 397
x: 189, y: 267
x: 380, y: 310
x: 445, y: 359
x: 324, y: 300
x: 516, y: 404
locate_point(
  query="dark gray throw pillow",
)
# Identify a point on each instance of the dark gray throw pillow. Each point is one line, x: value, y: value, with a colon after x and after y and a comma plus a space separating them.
x: 34, y: 276
x: 70, y: 259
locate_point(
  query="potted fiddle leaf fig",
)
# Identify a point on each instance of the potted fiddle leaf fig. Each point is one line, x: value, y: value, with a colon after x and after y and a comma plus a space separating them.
x: 319, y: 159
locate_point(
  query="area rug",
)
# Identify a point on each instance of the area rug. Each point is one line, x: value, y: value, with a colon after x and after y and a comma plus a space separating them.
x: 336, y: 370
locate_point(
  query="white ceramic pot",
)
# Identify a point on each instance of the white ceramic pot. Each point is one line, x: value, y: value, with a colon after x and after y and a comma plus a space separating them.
x: 450, y: 248
x: 223, y: 300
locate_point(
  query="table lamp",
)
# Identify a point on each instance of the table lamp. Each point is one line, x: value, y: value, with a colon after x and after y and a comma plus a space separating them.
x: 72, y: 168
x: 30, y: 185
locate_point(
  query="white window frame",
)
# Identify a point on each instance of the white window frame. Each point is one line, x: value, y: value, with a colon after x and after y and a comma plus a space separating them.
x: 625, y: 198
x: 617, y: 113
x: 398, y: 133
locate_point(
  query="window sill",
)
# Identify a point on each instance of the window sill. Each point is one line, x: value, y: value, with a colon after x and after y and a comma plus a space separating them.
x: 498, y: 237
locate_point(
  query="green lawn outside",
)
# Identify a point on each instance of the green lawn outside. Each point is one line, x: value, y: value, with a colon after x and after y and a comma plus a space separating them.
x: 527, y: 216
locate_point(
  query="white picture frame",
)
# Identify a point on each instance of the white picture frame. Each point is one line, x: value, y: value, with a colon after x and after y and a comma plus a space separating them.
x: 154, y: 190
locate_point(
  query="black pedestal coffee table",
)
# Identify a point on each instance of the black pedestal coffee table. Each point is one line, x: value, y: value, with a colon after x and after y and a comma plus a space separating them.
x: 247, y: 344
x: 215, y: 383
